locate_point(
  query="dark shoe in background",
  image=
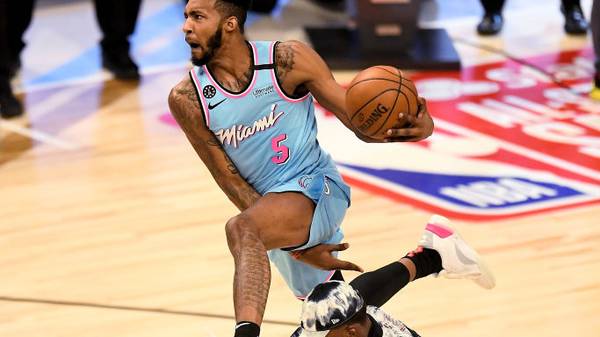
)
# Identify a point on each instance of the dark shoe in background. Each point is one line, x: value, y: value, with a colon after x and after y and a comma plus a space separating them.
x: 14, y: 66
x: 575, y: 23
x: 120, y: 64
x: 9, y: 105
x: 491, y: 24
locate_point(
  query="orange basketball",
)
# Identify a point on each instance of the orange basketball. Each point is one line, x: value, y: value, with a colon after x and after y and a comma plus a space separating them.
x: 376, y: 97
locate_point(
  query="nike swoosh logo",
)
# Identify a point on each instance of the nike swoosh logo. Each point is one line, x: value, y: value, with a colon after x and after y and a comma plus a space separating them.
x: 326, y: 188
x: 210, y: 106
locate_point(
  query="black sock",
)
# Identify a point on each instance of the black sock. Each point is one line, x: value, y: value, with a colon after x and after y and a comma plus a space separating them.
x: 426, y: 262
x: 246, y: 329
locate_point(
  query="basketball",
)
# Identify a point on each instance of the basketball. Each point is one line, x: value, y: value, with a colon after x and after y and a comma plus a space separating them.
x: 376, y: 97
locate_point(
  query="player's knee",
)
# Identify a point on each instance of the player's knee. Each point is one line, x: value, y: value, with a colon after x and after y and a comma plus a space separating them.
x: 237, y: 227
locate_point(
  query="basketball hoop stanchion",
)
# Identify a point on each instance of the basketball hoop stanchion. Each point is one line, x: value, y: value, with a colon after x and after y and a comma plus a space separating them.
x: 386, y: 32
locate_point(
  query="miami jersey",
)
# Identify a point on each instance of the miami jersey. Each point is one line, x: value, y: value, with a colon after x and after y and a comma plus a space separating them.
x: 269, y: 136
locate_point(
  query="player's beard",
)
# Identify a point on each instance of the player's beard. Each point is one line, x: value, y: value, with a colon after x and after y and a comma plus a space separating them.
x: 213, y: 44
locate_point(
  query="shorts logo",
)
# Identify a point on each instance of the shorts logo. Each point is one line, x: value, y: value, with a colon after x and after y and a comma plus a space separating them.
x: 304, y: 181
x: 326, y: 190
x: 209, y: 91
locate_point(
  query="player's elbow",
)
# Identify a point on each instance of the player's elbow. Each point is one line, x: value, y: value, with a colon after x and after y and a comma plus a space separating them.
x: 172, y: 100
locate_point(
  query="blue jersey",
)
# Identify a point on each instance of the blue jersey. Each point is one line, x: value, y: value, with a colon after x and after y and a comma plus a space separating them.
x: 269, y: 136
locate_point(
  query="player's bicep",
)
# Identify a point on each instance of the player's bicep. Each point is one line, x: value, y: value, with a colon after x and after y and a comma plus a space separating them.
x: 317, y: 77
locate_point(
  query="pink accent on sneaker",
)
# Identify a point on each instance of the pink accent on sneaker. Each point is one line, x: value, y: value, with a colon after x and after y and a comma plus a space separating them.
x: 439, y: 230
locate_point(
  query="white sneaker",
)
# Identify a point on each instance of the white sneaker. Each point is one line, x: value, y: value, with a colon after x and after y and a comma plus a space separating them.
x: 459, y: 260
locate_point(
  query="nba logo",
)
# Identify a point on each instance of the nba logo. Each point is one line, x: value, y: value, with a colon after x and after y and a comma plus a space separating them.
x: 507, y: 142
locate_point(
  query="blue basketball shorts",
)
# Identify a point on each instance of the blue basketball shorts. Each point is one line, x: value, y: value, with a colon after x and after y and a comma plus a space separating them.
x: 332, y: 198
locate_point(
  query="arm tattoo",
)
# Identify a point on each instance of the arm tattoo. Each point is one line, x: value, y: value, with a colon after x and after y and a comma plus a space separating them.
x: 186, y: 95
x: 284, y: 60
x: 230, y: 165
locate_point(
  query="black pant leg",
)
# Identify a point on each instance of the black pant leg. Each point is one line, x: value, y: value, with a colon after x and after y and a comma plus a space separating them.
x: 116, y: 19
x: 15, y: 17
x: 570, y: 4
x: 492, y: 6
x: 4, y: 45
x: 20, y: 13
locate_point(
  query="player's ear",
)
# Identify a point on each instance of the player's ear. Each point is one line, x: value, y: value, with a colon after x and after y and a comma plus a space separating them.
x: 231, y: 24
x: 351, y: 330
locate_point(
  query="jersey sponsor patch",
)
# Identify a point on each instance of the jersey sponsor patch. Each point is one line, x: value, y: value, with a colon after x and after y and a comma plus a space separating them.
x: 260, y: 92
x: 209, y: 91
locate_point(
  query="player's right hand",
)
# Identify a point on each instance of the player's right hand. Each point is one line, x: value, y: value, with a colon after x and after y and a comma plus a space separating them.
x: 321, y: 256
x: 412, y: 128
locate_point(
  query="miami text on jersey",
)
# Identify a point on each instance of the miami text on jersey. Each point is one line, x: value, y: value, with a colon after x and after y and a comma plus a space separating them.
x: 235, y: 134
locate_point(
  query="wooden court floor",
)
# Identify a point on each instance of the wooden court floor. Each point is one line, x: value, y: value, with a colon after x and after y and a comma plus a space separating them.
x: 111, y: 226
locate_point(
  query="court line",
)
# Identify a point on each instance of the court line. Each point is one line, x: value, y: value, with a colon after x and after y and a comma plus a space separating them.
x: 130, y: 308
x: 37, y: 135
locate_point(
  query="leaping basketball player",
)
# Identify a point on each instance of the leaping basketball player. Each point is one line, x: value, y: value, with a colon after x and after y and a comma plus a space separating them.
x: 247, y: 109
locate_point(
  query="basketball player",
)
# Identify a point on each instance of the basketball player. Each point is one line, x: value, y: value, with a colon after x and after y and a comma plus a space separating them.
x: 247, y: 109
x: 338, y: 309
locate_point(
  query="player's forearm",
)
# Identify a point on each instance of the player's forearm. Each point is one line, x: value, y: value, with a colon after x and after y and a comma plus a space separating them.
x: 335, y: 102
x: 241, y: 194
x: 238, y: 190
x: 227, y: 176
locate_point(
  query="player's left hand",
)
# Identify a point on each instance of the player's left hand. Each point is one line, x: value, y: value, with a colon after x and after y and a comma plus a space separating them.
x: 414, y: 127
x: 321, y: 257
